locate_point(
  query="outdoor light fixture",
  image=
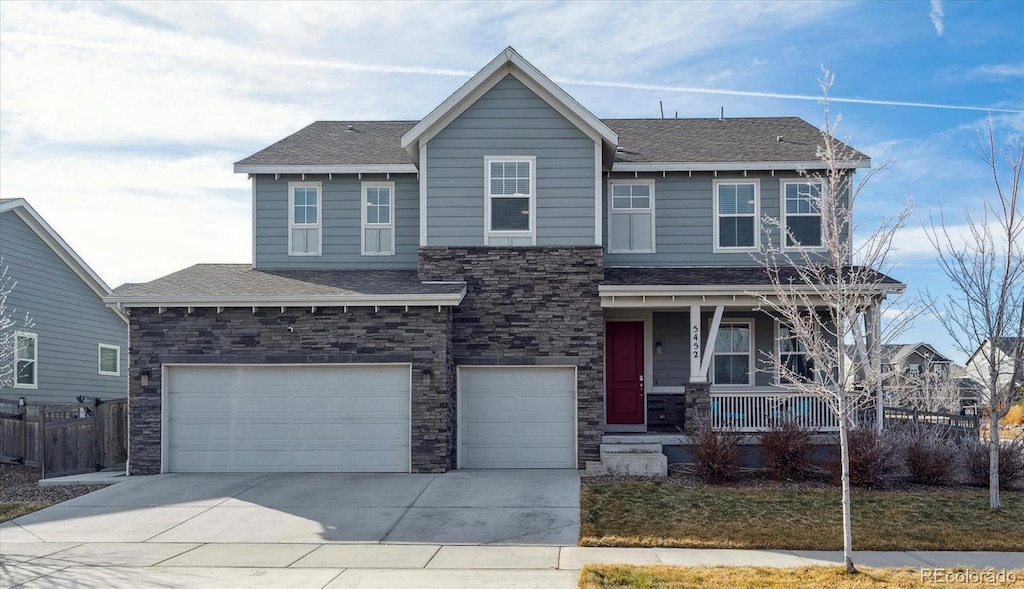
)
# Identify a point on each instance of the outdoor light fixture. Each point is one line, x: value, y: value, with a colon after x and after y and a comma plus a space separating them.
x: 657, y: 348
x: 144, y: 377
x: 427, y: 376
x: 21, y: 401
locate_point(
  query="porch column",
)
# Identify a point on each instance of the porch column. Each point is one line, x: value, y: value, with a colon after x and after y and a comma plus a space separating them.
x: 698, y: 391
x: 696, y: 375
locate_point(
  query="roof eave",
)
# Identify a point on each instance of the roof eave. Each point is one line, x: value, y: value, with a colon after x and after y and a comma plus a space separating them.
x: 733, y: 166
x: 325, y: 169
x: 381, y: 300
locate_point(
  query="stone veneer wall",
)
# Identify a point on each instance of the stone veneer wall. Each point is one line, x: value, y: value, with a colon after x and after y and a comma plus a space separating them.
x: 531, y: 305
x: 420, y: 336
x: 698, y: 405
x: 666, y: 412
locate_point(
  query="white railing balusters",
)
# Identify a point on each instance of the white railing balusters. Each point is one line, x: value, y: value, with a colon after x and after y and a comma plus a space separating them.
x: 757, y: 411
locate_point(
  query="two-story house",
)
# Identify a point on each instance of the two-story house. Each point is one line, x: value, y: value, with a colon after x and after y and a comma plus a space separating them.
x: 497, y: 285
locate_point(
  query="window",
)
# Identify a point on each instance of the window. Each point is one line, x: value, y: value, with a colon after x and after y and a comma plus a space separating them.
x: 736, y: 210
x: 304, y: 219
x: 733, y: 351
x: 378, y: 237
x: 109, y: 360
x: 509, y: 203
x: 26, y: 363
x: 631, y: 216
x: 793, y: 355
x: 802, y: 218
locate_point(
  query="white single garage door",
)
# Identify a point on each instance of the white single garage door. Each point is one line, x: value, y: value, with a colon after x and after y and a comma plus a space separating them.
x: 517, y: 417
x: 314, y: 418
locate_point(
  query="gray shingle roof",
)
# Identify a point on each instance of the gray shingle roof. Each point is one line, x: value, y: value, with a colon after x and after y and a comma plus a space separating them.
x: 326, y: 143
x: 240, y: 281
x: 735, y: 276
x: 717, y: 140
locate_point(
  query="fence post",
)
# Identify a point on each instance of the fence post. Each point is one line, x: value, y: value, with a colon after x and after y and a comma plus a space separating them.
x: 98, y: 435
x: 41, y: 440
x: 23, y: 411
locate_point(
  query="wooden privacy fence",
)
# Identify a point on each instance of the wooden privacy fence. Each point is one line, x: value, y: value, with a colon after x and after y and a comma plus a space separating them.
x: 64, y: 439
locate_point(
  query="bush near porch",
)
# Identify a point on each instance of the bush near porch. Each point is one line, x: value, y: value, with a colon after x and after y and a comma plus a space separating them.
x: 795, y: 517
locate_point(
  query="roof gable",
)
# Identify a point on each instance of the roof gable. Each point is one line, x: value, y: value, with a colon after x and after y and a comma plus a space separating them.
x: 508, y: 62
x: 21, y: 208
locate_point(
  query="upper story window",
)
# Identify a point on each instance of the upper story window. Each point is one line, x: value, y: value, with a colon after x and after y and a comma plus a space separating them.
x: 736, y: 212
x: 109, y: 360
x: 801, y: 219
x: 510, y: 200
x: 793, y: 355
x: 734, y: 354
x: 305, y: 226
x: 378, y: 237
x: 26, y: 360
x: 631, y: 216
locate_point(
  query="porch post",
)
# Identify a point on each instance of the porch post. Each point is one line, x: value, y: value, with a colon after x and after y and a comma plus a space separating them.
x: 695, y: 349
x: 876, y: 361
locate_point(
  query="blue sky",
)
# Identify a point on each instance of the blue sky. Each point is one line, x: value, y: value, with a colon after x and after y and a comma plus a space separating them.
x: 120, y: 121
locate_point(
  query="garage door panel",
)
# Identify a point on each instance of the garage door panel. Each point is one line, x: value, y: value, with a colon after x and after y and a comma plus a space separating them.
x: 517, y: 417
x: 318, y: 418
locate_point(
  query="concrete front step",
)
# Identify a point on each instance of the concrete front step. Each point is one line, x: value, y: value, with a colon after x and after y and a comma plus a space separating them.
x: 630, y: 449
x: 646, y: 464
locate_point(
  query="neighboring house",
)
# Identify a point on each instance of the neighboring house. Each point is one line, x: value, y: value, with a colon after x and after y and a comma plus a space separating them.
x: 977, y: 366
x: 498, y: 285
x: 917, y: 375
x: 76, y: 346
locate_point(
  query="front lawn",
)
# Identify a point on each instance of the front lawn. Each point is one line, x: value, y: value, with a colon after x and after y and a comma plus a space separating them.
x: 669, y: 515
x: 9, y: 511
x: 665, y: 577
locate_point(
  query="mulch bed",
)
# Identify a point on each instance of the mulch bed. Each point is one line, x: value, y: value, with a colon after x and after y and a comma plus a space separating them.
x: 20, y: 484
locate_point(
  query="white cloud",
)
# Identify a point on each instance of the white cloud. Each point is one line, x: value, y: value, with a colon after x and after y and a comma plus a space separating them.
x: 997, y: 71
x: 937, y: 14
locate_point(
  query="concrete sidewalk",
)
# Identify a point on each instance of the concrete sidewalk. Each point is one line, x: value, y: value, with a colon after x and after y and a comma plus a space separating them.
x: 48, y: 564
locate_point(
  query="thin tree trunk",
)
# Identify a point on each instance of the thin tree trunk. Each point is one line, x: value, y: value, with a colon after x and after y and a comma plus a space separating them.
x: 844, y: 452
x: 993, y: 460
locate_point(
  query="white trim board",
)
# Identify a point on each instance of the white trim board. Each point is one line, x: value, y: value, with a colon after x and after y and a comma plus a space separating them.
x: 326, y: 169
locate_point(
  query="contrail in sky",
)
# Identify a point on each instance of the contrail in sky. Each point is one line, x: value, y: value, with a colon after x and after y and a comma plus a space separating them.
x: 264, y: 59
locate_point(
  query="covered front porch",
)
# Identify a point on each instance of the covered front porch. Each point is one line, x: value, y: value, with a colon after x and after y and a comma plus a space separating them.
x: 679, y: 352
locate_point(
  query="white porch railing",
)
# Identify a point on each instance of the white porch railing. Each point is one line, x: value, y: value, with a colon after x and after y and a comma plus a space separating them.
x: 757, y: 411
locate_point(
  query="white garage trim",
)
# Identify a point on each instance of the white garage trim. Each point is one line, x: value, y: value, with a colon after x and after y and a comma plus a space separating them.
x: 461, y: 404
x: 165, y: 397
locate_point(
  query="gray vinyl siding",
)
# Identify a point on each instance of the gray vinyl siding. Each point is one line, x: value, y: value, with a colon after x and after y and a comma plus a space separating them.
x: 341, y: 199
x: 672, y: 367
x: 684, y: 220
x: 69, y: 318
x: 510, y: 120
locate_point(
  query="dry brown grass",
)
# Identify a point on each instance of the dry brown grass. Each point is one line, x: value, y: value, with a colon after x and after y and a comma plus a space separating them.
x: 669, y: 515
x: 665, y: 577
x: 9, y: 511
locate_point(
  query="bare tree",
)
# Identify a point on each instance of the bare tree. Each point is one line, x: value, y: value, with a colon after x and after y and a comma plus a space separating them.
x: 985, y: 267
x: 834, y: 297
x: 932, y: 387
x: 10, y: 323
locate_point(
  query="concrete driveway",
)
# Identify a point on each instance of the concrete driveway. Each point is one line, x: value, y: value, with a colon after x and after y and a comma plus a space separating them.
x: 529, y: 507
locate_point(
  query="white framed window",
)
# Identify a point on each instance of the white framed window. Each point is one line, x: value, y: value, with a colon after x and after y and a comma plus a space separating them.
x: 510, y: 200
x: 631, y: 216
x: 109, y: 360
x: 305, y: 219
x: 733, y: 361
x: 378, y: 218
x: 737, y: 210
x: 792, y: 353
x: 801, y: 214
x: 26, y: 360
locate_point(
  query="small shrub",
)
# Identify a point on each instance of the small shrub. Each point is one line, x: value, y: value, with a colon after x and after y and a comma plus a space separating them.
x: 873, y: 457
x: 975, y: 453
x: 717, y: 454
x: 786, y: 449
x: 930, y: 456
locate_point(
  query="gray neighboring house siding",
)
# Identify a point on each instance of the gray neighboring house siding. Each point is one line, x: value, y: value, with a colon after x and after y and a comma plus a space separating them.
x: 71, y: 320
x: 342, y: 221
x: 420, y: 336
x: 510, y: 120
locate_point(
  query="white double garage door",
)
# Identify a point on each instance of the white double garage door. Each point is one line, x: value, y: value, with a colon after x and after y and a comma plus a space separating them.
x: 356, y: 418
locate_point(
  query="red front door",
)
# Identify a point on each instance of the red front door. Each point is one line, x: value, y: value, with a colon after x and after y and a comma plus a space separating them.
x: 624, y: 347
